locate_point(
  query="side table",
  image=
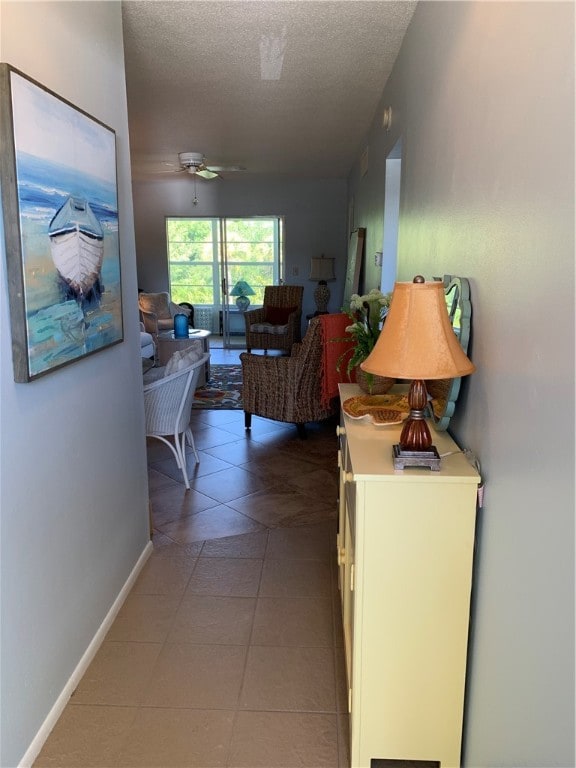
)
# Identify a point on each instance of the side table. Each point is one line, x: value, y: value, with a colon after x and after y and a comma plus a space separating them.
x: 167, y: 345
x: 236, y: 320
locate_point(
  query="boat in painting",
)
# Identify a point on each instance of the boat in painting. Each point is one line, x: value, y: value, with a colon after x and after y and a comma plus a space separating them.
x: 77, y: 247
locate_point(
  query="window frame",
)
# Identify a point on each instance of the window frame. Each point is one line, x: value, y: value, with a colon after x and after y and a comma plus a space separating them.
x: 221, y: 261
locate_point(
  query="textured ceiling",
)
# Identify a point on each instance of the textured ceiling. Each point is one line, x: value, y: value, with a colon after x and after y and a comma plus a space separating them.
x: 283, y: 88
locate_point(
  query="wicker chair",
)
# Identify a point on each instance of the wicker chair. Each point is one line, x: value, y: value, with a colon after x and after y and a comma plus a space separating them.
x: 167, y: 404
x: 287, y: 388
x: 271, y: 327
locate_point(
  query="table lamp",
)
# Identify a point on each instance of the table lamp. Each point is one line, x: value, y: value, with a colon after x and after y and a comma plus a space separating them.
x: 242, y: 290
x: 417, y: 342
x: 322, y: 269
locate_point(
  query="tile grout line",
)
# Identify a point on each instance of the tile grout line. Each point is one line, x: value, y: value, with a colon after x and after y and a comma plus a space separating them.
x: 233, y: 730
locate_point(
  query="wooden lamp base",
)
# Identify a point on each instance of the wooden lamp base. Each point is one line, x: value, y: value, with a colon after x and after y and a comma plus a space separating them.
x: 415, y: 448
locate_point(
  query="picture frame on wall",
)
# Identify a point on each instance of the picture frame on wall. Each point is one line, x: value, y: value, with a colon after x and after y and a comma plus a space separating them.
x: 60, y: 213
x: 354, y: 264
x: 350, y: 216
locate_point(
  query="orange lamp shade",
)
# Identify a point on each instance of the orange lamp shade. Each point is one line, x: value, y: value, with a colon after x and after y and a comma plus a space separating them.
x: 417, y: 340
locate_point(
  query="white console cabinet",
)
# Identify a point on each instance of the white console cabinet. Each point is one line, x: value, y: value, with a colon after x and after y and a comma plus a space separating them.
x: 405, y: 549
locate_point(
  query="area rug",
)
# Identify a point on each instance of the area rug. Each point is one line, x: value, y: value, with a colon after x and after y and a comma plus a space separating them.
x: 224, y: 390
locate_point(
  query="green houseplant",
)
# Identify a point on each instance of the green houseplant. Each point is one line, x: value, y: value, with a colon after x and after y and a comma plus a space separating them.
x: 368, y: 313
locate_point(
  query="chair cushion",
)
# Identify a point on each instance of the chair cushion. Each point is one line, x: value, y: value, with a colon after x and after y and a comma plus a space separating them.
x: 146, y: 344
x: 145, y: 339
x: 276, y: 330
x: 278, y: 315
x: 184, y: 358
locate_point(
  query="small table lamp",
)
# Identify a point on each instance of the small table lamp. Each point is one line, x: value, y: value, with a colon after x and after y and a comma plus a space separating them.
x: 322, y: 269
x: 242, y: 290
x: 417, y: 342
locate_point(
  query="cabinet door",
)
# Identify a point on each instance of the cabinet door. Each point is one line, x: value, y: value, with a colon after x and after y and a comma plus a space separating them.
x: 340, y: 534
x: 414, y: 550
x: 348, y: 586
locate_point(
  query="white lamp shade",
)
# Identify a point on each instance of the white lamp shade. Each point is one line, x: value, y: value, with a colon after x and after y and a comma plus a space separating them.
x: 322, y: 268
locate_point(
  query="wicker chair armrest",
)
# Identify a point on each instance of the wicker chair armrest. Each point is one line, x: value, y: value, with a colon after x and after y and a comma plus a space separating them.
x: 150, y: 320
x: 293, y: 329
x: 294, y: 319
x: 254, y: 316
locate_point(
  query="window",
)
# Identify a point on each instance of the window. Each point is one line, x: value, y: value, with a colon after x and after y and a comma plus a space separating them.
x: 202, y: 252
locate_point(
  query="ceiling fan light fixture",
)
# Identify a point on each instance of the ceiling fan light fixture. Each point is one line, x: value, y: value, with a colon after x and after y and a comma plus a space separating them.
x: 194, y: 163
x: 191, y: 159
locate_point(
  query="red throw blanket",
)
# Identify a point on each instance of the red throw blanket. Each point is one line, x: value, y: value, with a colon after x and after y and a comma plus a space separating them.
x: 333, y: 329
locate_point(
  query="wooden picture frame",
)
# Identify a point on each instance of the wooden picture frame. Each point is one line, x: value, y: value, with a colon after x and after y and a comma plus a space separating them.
x: 354, y: 265
x: 60, y: 212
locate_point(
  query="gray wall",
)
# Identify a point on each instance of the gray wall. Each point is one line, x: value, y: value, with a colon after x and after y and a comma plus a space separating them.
x: 314, y: 210
x: 483, y: 98
x: 74, y: 509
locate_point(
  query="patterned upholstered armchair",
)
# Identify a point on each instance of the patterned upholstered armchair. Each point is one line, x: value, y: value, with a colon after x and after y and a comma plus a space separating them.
x: 287, y: 388
x: 276, y: 325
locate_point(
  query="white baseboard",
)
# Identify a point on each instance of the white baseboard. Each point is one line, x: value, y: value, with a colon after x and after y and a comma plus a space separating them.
x: 38, y: 742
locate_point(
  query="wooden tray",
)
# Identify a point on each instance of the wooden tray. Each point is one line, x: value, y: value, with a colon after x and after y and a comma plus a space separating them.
x: 381, y: 410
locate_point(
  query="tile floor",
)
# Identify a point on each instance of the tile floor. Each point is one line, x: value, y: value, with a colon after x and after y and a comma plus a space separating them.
x: 228, y: 651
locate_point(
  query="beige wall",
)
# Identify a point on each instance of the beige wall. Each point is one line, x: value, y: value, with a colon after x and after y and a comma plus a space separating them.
x: 73, y: 479
x: 483, y: 97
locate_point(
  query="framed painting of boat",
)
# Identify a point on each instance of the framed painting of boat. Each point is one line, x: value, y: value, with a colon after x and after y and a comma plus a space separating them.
x: 60, y: 214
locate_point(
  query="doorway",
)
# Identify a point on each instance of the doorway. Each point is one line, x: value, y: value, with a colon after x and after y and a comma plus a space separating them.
x: 391, y: 217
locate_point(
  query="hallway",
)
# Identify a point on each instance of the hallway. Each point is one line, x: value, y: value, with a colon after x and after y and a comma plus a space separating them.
x: 228, y: 651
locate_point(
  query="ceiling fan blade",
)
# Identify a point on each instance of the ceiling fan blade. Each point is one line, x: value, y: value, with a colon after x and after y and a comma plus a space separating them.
x: 165, y: 172
x: 155, y: 168
x: 226, y: 168
x: 206, y: 173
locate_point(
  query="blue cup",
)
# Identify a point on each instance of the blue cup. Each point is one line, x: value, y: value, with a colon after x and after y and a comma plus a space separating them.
x: 180, y: 327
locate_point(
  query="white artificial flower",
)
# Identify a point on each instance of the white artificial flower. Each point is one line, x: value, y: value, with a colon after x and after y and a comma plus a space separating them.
x: 372, y: 298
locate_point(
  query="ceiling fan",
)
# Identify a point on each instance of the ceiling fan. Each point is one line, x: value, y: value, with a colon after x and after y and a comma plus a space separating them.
x: 195, y: 163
